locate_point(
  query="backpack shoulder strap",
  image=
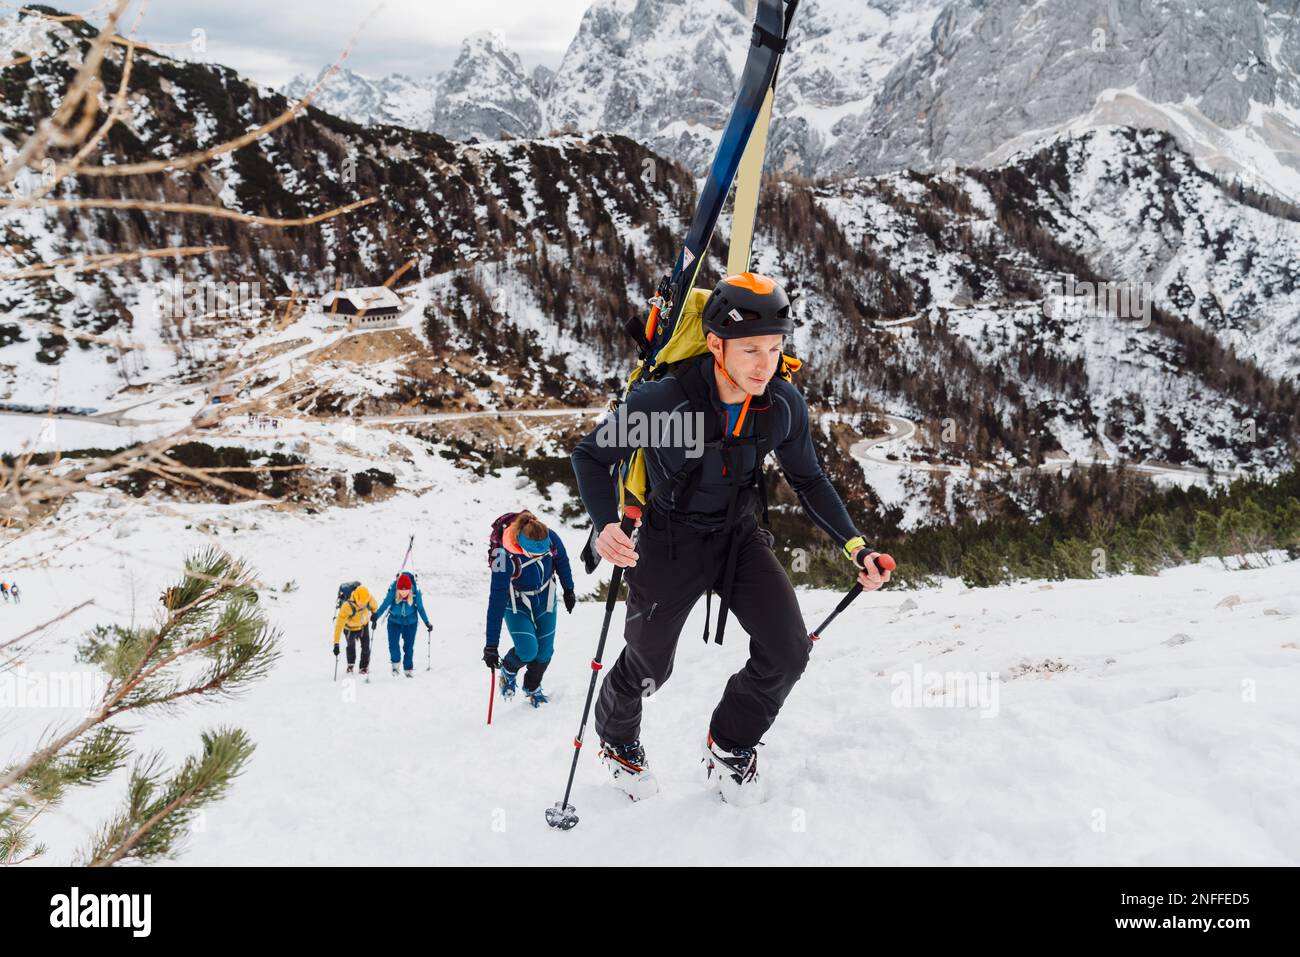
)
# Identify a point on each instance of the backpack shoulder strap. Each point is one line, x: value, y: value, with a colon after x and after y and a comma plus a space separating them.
x: 690, y: 376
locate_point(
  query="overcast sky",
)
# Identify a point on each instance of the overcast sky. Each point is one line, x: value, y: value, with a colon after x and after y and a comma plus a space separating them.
x: 272, y: 40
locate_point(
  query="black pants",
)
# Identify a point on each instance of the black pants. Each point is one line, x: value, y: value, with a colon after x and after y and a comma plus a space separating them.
x: 663, y: 588
x: 352, y: 636
x: 533, y: 676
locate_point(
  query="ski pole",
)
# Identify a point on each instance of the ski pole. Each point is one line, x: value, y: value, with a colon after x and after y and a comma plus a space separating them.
x: 336, y: 667
x: 428, y: 651
x: 884, y: 563
x: 563, y: 815
x: 492, y: 693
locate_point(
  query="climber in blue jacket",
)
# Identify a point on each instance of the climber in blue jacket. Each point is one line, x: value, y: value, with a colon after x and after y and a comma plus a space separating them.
x: 525, y: 568
x: 403, y: 604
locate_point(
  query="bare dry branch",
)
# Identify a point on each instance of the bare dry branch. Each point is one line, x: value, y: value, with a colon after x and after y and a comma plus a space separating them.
x: 219, y: 212
x: 84, y: 264
x: 81, y: 95
x: 39, y: 628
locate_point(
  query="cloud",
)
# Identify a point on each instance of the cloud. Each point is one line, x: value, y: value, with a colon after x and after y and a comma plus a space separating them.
x: 272, y: 42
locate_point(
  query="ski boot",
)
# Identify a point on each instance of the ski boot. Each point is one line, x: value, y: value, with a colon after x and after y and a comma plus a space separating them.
x: 506, y: 681
x: 536, y: 696
x: 627, y: 763
x: 394, y: 669
x: 349, y: 669
x: 734, y: 774
x: 410, y: 672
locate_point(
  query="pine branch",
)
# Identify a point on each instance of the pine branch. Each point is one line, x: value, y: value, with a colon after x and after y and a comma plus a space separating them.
x: 44, y: 785
x: 157, y: 815
x: 142, y: 663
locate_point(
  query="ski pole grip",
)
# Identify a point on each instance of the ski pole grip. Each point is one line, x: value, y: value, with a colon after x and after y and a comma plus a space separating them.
x: 884, y: 563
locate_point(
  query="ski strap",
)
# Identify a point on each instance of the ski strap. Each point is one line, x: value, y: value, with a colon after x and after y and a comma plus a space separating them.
x: 766, y: 38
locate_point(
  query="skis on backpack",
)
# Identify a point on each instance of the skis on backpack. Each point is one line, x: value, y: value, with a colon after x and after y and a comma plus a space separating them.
x: 772, y: 22
x: 743, y: 139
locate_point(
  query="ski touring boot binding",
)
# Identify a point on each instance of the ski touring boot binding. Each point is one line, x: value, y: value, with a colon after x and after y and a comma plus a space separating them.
x: 734, y: 774
x: 627, y: 764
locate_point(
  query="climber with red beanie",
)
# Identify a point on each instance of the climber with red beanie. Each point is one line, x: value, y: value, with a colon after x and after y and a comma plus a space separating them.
x: 403, y: 604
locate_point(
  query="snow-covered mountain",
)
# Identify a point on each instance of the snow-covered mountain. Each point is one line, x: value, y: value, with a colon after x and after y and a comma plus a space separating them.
x: 486, y: 94
x: 981, y: 272
x: 924, y: 294
x: 665, y: 72
x: 1223, y: 76
x: 395, y: 100
x: 875, y: 85
x: 870, y: 86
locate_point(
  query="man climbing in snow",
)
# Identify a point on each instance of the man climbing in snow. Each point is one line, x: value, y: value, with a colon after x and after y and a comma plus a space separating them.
x: 701, y: 534
x: 526, y: 558
x: 404, y: 605
x: 353, y: 619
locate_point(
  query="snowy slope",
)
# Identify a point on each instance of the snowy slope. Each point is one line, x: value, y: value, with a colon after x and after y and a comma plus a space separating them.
x: 1098, y: 713
x: 1166, y: 224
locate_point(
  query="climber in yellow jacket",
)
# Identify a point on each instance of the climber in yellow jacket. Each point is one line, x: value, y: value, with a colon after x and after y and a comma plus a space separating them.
x: 354, y: 620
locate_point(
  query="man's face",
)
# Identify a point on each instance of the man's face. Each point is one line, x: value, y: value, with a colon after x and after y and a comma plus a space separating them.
x: 751, y: 362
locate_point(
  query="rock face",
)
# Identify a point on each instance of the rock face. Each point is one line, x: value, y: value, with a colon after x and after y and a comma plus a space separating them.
x: 656, y: 70
x: 665, y: 72
x: 1219, y: 74
x: 487, y: 94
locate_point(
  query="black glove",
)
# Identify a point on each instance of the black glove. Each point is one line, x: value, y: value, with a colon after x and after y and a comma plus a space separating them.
x: 490, y: 657
x: 336, y: 649
x: 570, y: 599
